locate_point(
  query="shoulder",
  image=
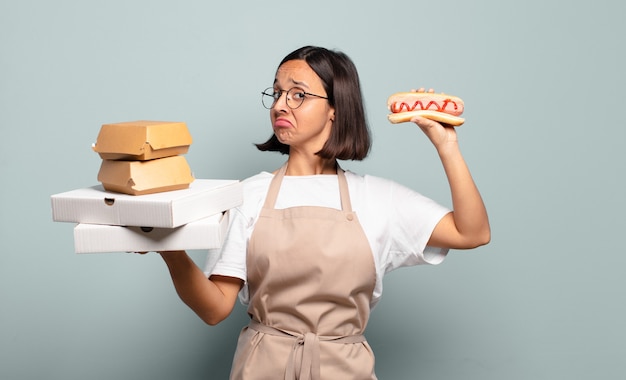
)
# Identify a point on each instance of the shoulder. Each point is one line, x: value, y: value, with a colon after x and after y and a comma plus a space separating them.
x: 370, y: 184
x: 384, y: 192
x: 257, y: 182
x: 254, y: 192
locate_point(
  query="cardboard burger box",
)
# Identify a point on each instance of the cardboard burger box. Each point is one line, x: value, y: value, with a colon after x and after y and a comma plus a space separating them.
x: 143, y: 157
x: 142, y: 140
x: 95, y: 205
x: 145, y: 177
x: 206, y: 233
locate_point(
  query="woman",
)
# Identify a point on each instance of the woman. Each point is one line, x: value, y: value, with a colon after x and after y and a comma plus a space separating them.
x: 308, y: 268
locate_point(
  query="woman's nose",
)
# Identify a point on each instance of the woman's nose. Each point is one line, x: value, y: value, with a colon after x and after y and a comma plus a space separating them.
x: 281, y: 103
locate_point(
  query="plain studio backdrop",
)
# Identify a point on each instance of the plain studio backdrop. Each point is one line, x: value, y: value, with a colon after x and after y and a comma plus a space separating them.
x: 543, y: 83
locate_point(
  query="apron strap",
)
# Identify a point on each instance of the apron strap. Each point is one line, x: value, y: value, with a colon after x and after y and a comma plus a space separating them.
x: 272, y: 192
x: 309, y: 345
x: 343, y: 190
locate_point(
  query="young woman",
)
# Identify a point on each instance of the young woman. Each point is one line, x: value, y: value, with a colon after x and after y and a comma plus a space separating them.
x: 307, y: 249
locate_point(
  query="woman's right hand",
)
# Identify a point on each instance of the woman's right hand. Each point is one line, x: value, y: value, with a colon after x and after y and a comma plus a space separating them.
x: 166, y: 253
x: 172, y: 255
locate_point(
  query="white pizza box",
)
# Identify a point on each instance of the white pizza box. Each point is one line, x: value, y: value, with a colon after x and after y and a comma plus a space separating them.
x: 94, y: 205
x: 206, y: 233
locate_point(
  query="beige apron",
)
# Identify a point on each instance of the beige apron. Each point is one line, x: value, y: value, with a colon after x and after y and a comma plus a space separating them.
x: 311, y: 276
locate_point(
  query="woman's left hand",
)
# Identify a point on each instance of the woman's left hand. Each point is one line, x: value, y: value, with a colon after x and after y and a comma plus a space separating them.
x: 439, y: 134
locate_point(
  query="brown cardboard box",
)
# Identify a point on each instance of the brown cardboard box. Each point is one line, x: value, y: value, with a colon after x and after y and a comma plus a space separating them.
x: 145, y: 177
x: 142, y: 140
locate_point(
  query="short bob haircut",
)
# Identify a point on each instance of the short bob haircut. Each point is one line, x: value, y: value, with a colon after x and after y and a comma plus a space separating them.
x: 350, y: 136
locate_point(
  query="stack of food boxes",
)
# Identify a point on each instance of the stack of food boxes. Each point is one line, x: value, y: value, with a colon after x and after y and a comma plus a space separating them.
x: 144, y: 157
x: 148, y: 199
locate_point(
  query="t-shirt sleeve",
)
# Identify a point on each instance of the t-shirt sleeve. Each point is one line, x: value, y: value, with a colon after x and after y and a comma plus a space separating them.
x: 230, y: 259
x: 412, y: 220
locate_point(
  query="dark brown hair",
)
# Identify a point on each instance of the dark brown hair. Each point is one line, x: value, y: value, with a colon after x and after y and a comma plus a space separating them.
x: 349, y: 137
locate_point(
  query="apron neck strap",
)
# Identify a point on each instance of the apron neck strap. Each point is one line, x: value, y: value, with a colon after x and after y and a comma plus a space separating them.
x: 272, y: 192
x: 343, y: 190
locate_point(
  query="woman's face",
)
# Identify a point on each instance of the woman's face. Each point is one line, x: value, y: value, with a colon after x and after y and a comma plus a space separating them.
x: 307, y: 127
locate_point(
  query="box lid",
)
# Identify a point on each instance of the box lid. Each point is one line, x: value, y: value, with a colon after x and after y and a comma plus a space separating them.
x: 145, y: 177
x: 142, y: 140
x: 95, y: 205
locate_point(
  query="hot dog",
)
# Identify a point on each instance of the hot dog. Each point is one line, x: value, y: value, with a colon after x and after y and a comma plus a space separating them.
x: 441, y: 107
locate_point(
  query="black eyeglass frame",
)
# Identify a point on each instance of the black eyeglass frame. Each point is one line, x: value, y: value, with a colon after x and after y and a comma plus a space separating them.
x: 280, y: 93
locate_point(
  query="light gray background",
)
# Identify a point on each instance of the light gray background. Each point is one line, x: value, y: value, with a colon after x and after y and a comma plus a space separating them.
x: 543, y: 83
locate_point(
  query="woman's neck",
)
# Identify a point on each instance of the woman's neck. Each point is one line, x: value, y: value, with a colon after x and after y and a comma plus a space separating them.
x: 298, y: 165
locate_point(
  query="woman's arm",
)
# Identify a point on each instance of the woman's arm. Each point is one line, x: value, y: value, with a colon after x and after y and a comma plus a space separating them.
x: 211, y: 299
x: 467, y: 226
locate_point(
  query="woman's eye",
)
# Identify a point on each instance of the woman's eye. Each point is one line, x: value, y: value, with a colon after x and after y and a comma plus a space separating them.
x: 298, y: 95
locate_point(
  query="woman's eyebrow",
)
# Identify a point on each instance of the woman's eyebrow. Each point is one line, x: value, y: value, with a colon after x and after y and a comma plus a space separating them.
x: 295, y: 82
x: 298, y: 83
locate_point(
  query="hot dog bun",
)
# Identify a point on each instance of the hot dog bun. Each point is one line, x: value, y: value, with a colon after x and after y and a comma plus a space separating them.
x: 441, y: 107
x: 403, y: 117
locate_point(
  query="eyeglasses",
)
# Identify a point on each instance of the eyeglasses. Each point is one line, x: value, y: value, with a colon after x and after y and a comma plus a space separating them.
x: 295, y: 97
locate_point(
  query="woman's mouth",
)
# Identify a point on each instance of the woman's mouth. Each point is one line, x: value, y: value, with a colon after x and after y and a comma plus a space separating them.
x: 282, y: 123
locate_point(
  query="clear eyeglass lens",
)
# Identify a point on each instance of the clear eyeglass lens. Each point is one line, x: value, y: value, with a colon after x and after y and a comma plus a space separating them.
x: 269, y: 97
x: 295, y: 97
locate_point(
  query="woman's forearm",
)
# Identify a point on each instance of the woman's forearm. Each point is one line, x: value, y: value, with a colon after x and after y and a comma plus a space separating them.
x: 470, y: 215
x: 211, y: 300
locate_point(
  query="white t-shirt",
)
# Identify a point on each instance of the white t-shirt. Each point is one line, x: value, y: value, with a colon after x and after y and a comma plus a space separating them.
x: 396, y: 220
